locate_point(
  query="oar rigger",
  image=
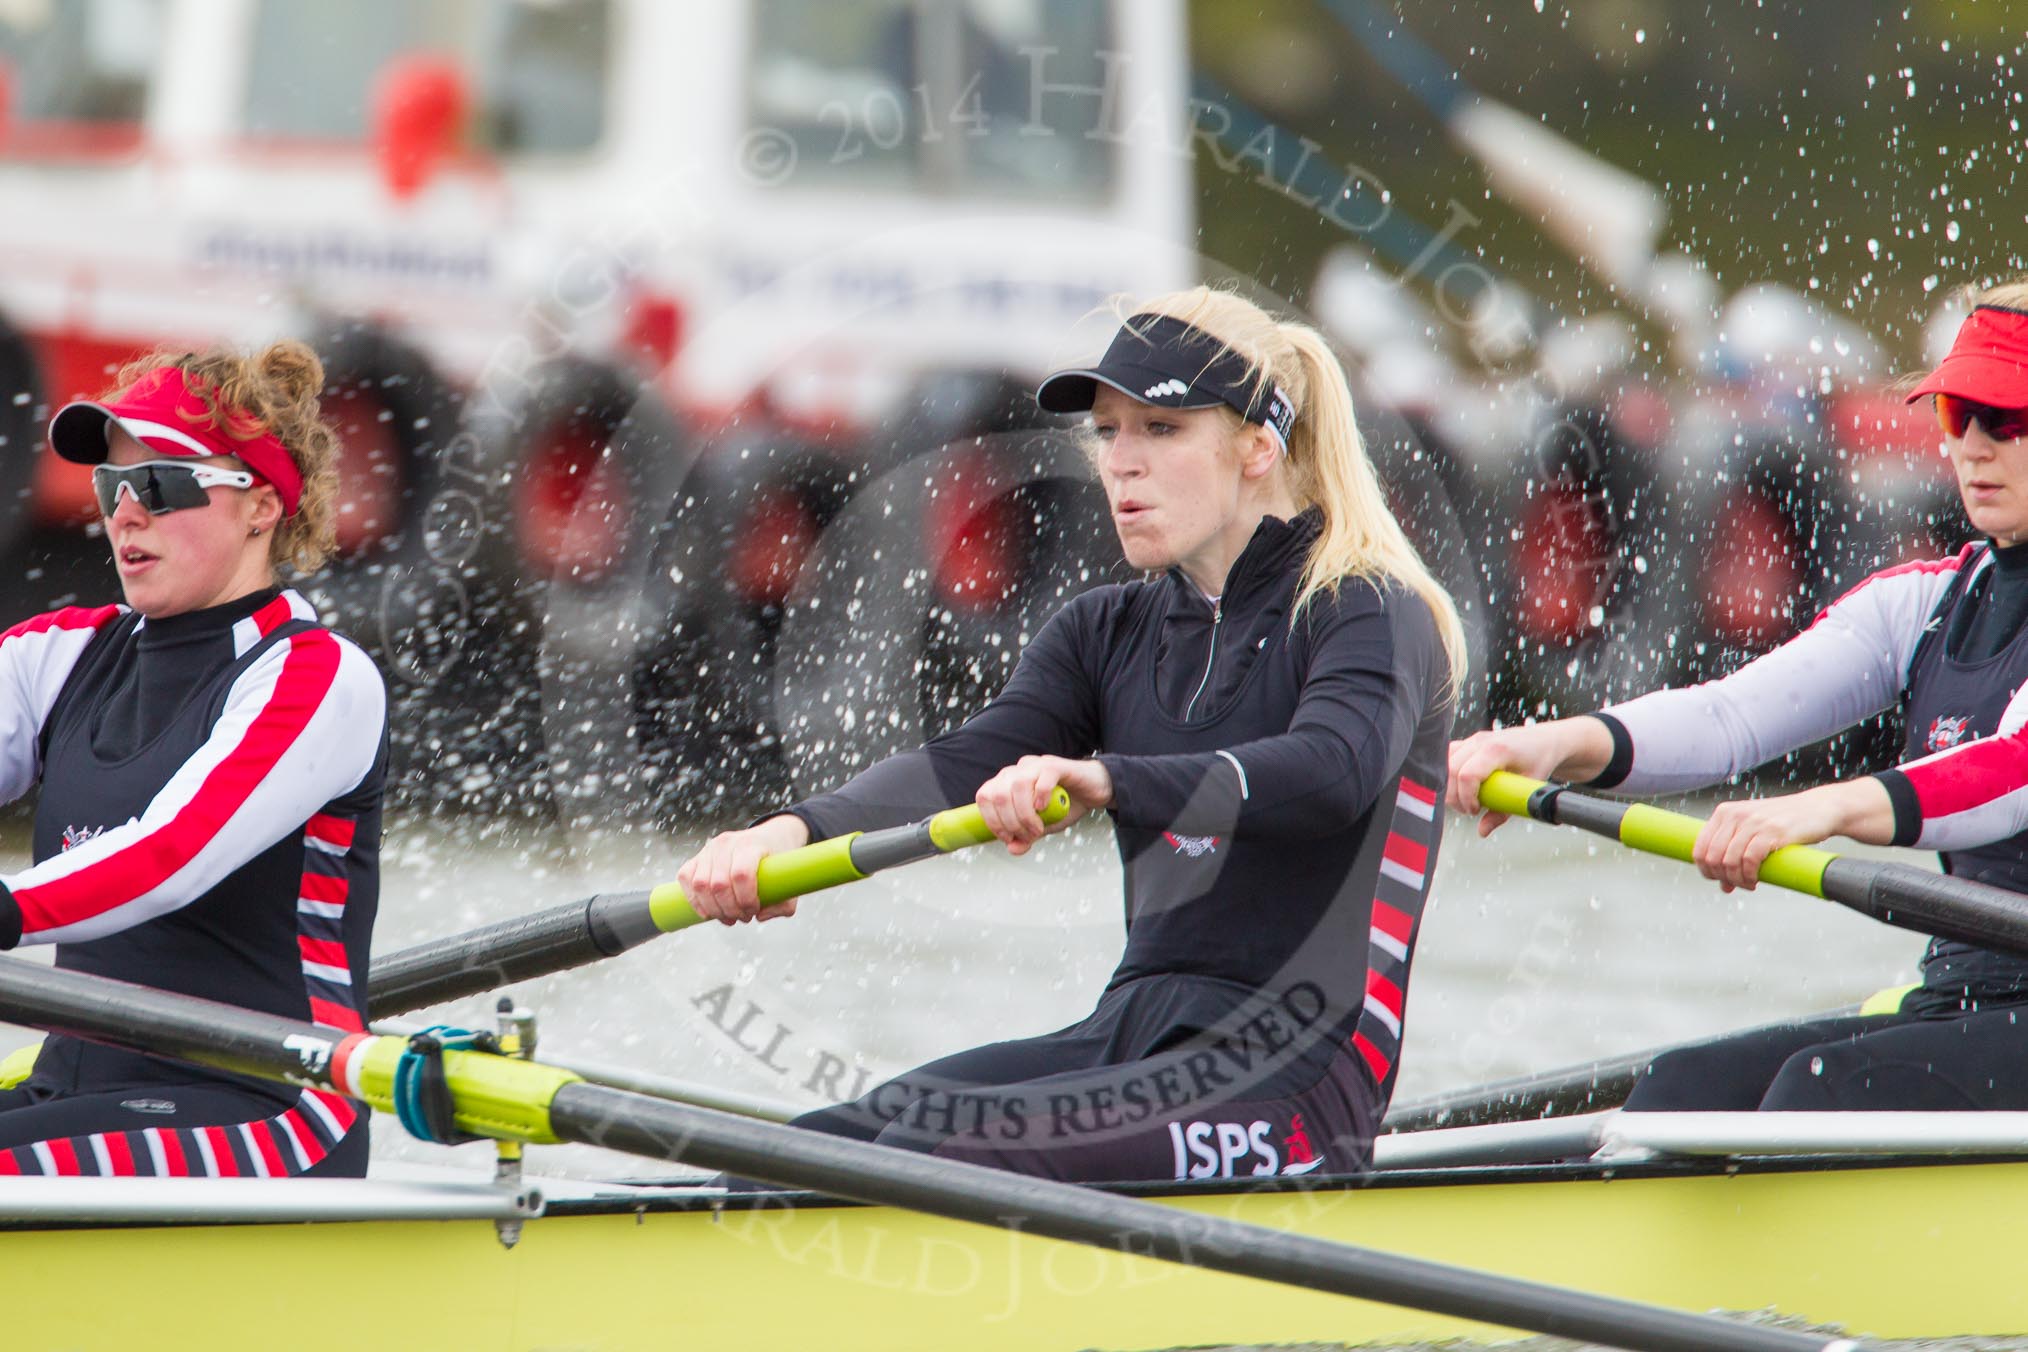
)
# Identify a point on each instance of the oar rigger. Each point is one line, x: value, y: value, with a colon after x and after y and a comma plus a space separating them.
x: 423, y: 1102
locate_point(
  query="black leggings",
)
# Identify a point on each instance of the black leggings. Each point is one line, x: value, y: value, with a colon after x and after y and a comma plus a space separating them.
x: 1137, y: 1090
x: 1883, y: 1062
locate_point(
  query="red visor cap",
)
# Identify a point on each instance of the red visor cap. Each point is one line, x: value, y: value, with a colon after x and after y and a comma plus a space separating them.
x: 160, y: 411
x: 1988, y: 363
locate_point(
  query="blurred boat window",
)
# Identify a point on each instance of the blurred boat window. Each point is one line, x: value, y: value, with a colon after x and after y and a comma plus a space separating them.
x: 74, y: 74
x: 538, y: 68
x: 979, y: 97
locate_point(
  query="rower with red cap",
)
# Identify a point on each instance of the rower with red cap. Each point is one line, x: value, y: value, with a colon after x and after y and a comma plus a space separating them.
x: 1948, y: 641
x: 209, y: 763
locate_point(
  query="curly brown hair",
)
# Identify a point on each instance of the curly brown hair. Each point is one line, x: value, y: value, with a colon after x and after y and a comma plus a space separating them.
x: 274, y: 390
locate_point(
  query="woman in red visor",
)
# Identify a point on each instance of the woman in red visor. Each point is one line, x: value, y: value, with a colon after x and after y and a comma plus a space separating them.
x: 1945, y: 639
x: 208, y: 760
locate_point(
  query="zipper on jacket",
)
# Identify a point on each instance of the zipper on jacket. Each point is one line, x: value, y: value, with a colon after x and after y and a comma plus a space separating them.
x: 1217, y: 618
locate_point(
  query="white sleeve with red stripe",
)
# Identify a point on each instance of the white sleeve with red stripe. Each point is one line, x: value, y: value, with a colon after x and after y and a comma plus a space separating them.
x: 302, y: 726
x: 36, y: 657
x: 1850, y: 664
x: 1976, y: 792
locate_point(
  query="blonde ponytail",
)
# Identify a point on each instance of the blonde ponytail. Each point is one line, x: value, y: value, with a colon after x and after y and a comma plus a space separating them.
x: 1327, y: 464
x: 2011, y: 294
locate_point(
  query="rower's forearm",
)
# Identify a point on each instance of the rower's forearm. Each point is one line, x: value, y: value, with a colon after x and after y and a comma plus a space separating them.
x: 1586, y: 747
x: 1861, y: 809
x: 784, y: 831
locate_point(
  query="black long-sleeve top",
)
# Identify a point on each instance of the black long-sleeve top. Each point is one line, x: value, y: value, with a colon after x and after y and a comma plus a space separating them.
x: 1277, y: 787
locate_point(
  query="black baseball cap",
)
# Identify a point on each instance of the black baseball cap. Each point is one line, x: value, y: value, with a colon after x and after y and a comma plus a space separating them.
x: 1160, y: 360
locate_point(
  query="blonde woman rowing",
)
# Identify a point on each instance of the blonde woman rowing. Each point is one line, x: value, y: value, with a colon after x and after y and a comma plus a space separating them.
x: 1263, y: 717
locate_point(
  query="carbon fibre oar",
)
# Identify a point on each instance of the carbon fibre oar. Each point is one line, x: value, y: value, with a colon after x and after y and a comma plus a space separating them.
x: 1894, y: 894
x: 1587, y: 1087
x: 510, y: 1099
x: 609, y: 924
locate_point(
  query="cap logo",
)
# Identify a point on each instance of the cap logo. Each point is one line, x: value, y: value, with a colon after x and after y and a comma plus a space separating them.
x: 1173, y: 362
x: 1280, y: 416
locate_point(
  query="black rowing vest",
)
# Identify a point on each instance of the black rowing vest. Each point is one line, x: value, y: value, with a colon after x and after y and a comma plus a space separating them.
x: 1949, y: 702
x: 139, y: 703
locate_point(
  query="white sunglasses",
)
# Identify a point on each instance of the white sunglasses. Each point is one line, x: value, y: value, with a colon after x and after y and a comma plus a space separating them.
x: 163, y: 485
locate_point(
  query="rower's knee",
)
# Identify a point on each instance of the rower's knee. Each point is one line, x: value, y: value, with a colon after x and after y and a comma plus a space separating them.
x: 1695, y: 1079
x: 1850, y: 1077
x: 923, y: 1123
x: 942, y: 1121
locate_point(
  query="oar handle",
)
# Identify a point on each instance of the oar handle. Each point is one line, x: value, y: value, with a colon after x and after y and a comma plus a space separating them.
x: 608, y: 925
x: 1654, y: 830
x: 1895, y: 894
x: 848, y: 858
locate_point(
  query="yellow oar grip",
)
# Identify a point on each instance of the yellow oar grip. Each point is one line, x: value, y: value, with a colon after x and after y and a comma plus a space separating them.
x: 810, y: 868
x: 961, y: 826
x: 828, y: 863
x: 1505, y: 791
x: 1673, y: 835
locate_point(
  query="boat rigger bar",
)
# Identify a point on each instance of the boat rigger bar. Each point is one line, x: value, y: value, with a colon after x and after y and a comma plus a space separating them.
x: 1551, y: 1138
x: 1907, y: 1133
x: 203, y: 1201
x: 1618, y: 1135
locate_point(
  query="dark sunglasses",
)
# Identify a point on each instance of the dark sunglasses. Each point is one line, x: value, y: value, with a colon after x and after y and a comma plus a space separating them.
x: 163, y: 485
x: 2001, y: 424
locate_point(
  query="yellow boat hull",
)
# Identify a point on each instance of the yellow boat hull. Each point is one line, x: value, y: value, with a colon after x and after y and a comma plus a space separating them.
x: 1896, y: 1252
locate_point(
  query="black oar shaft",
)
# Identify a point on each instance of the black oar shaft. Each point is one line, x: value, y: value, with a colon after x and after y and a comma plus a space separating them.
x: 883, y: 1176
x: 519, y: 949
x: 1588, y: 1087
x: 605, y: 926
x: 1894, y: 894
x: 180, y: 1026
x: 1563, y: 807
x: 1931, y: 903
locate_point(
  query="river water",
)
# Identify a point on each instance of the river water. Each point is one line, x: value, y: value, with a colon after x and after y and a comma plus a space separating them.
x: 1541, y: 947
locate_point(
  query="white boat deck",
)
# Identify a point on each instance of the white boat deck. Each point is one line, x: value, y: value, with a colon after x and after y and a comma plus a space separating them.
x: 1617, y: 1136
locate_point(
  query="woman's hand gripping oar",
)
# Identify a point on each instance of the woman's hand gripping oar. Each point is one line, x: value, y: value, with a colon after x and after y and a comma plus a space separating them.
x: 607, y: 925
x: 1895, y: 894
x: 1032, y: 798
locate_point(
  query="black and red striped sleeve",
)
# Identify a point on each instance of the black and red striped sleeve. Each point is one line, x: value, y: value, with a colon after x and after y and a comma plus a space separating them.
x: 301, y: 726
x: 36, y: 657
x: 1971, y: 794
